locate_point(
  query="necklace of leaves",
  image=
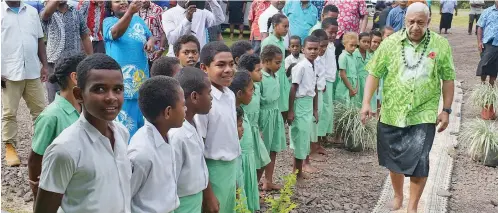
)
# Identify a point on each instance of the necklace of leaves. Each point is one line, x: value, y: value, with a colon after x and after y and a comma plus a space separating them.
x: 421, y: 55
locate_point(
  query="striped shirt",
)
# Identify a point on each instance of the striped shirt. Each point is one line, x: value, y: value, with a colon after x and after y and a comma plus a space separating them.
x: 93, y: 13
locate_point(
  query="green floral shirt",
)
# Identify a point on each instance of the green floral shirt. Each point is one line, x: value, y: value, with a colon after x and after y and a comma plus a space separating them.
x: 411, y: 96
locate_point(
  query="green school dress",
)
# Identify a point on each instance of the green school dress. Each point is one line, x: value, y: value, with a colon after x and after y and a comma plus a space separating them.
x: 270, y: 119
x: 326, y: 113
x: 362, y: 76
x: 300, y: 129
x: 347, y: 62
x: 251, y: 112
x: 283, y: 102
x: 249, y: 180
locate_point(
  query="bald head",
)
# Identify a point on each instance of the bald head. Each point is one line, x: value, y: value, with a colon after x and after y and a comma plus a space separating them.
x: 418, y: 7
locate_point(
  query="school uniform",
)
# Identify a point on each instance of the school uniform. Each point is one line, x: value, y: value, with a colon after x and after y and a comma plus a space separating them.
x: 283, y: 101
x: 347, y: 62
x: 362, y: 76
x: 153, y: 179
x: 248, y: 179
x: 92, y: 176
x: 221, y: 147
x: 304, y: 75
x: 320, y: 86
x: 270, y: 119
x: 191, y: 169
x: 326, y: 114
x: 251, y: 112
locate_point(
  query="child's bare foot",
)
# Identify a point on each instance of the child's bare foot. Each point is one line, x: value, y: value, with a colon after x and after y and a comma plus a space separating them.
x: 241, y: 36
x: 262, y: 197
x: 321, y: 150
x: 270, y: 187
x: 317, y: 157
x: 396, y: 204
x: 231, y: 36
x: 300, y: 181
x: 309, y: 169
x: 411, y: 211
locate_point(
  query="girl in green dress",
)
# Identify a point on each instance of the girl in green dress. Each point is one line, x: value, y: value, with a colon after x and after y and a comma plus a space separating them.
x: 243, y: 87
x: 348, y: 86
x: 280, y: 28
x: 362, y: 55
x: 270, y: 119
x: 252, y: 64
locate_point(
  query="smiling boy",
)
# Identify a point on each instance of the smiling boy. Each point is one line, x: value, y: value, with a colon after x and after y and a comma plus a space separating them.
x: 85, y: 169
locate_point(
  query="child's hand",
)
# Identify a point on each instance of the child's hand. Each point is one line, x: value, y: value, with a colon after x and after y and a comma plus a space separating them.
x: 315, y: 114
x: 290, y: 117
x: 352, y: 93
x: 210, y: 204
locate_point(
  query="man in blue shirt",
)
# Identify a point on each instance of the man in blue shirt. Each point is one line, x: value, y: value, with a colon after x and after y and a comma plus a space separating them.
x: 487, y: 38
x: 302, y: 17
x: 396, y: 17
x: 446, y: 10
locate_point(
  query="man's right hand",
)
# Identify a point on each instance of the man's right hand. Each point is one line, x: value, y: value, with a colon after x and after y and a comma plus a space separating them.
x: 190, y: 12
x: 135, y: 6
x: 210, y: 204
x: 365, y: 113
x: 480, y: 46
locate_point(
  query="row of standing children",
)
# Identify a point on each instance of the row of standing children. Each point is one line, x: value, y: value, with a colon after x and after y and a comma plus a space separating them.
x: 197, y: 148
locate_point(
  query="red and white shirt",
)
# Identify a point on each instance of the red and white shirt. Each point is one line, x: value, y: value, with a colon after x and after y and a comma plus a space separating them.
x: 257, y: 8
x: 93, y: 12
x: 350, y: 13
x: 152, y: 17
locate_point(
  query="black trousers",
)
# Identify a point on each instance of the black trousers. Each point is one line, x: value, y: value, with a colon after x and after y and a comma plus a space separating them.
x: 472, y: 18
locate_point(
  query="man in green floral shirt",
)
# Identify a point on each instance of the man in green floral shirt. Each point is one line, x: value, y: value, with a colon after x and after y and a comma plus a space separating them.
x: 413, y: 63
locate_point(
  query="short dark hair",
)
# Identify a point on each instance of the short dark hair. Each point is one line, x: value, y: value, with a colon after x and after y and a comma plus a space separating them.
x: 363, y: 34
x: 330, y: 8
x: 386, y: 28
x: 164, y: 66
x: 329, y: 22
x: 249, y: 61
x: 321, y: 34
x: 64, y: 67
x: 239, y: 48
x: 240, y: 81
x: 275, y: 19
x: 269, y: 52
x: 183, y: 40
x: 97, y: 61
x: 210, y: 50
x: 376, y: 33
x: 156, y: 94
x: 311, y: 39
x: 191, y: 80
x: 296, y: 38
x: 240, y: 113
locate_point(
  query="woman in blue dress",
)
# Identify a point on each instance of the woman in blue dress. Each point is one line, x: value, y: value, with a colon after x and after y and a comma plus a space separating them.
x: 127, y: 39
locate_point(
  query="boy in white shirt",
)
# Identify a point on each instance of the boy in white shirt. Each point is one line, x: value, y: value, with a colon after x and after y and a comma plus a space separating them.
x: 303, y: 105
x: 295, y: 50
x: 153, y: 179
x: 85, y: 169
x: 330, y: 26
x: 219, y: 129
x: 191, y: 170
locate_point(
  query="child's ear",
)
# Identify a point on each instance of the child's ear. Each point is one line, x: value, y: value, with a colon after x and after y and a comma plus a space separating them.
x: 239, y: 93
x: 167, y: 112
x: 194, y: 96
x: 74, y: 78
x: 77, y: 92
x: 236, y: 60
x: 203, y: 67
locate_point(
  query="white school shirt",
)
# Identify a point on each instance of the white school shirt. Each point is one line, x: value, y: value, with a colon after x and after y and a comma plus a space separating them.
x: 20, y: 34
x: 291, y: 59
x: 153, y: 179
x: 263, y: 23
x: 175, y: 24
x: 191, y: 169
x: 304, y: 75
x: 219, y: 127
x: 330, y: 63
x: 320, y: 68
x: 81, y: 164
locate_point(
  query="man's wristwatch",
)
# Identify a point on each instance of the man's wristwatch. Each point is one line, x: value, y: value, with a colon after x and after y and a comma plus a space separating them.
x: 447, y: 110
